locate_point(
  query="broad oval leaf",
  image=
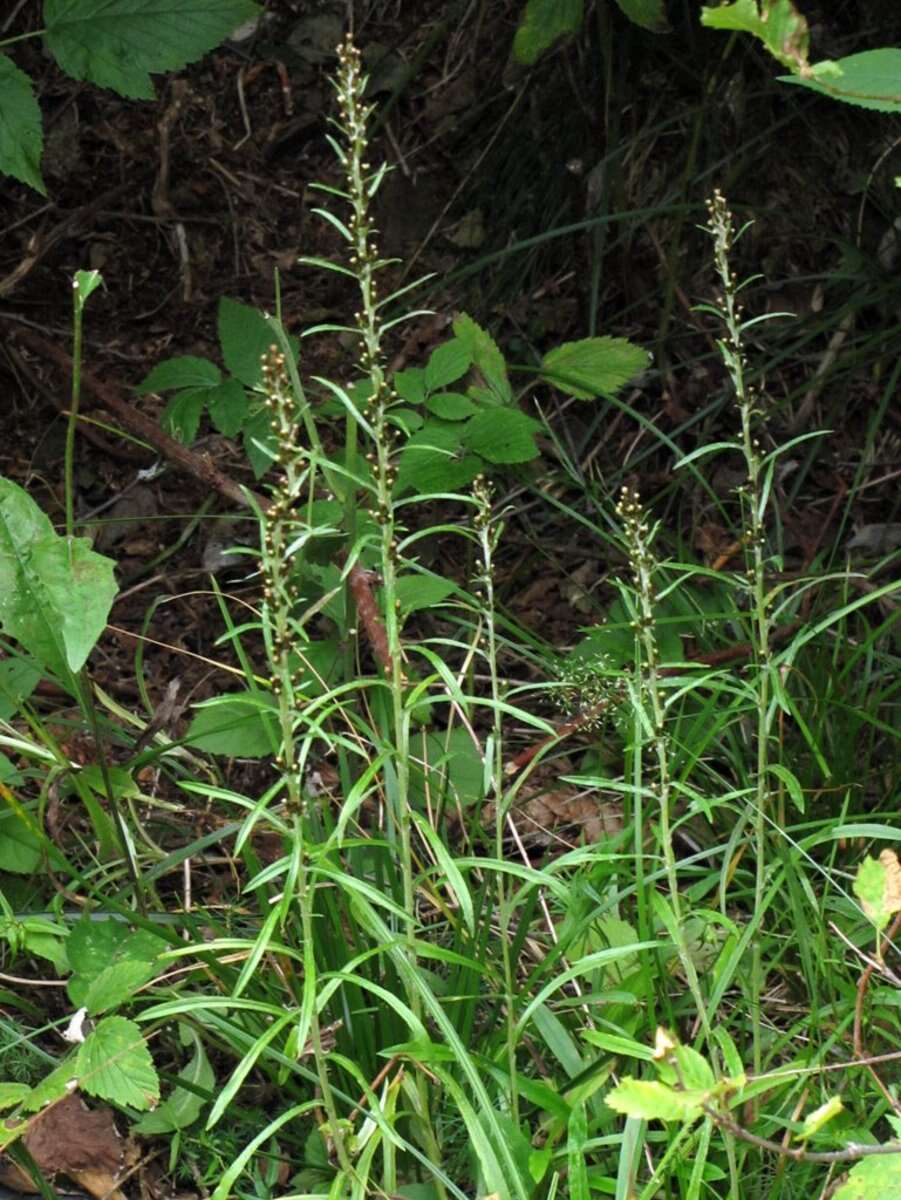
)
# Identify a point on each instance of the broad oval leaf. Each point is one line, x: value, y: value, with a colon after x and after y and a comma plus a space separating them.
x: 55, y: 593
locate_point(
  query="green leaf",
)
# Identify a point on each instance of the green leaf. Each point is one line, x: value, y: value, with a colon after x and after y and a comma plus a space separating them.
x: 118, y: 43
x: 52, y: 1087
x: 877, y: 886
x: 649, y: 14
x: 814, y: 1121
x: 871, y: 79
x: 594, y: 367
x: 260, y: 443
x: 186, y: 371
x: 181, y: 416
x: 115, y: 984
x: 55, y: 594
x: 237, y: 725
x: 486, y: 357
x: 95, y: 946
x: 652, y: 1101
x: 502, y: 435
x: 447, y: 363
x: 21, y: 136
x: 85, y: 284
x: 245, y: 336
x: 451, y: 406
x: 410, y: 385
x: 415, y: 592
x: 181, y: 1107
x: 777, y: 23
x: 227, y: 406
x: 447, y: 765
x: 18, y: 678
x: 12, y: 1094
x: 115, y: 1064
x: 874, y: 1178
x: 434, y: 460
x: 543, y: 22
x: 20, y: 848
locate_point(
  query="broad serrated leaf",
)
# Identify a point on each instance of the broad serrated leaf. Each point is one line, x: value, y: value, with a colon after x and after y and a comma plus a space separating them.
x: 649, y: 14
x: 55, y: 593
x: 502, y: 435
x: 433, y: 460
x: 227, y: 406
x: 181, y: 416
x: 652, y: 1101
x: 181, y: 1107
x: 114, y: 1063
x: 95, y: 946
x: 186, y: 371
x: 21, y: 135
x: 451, y: 406
x: 871, y: 79
x: 447, y: 363
x: 777, y: 23
x: 594, y: 367
x: 245, y: 336
x: 118, y: 44
x: 238, y: 725
x: 116, y: 984
x: 874, y: 1178
x: 410, y: 385
x: 543, y: 22
x: 486, y: 357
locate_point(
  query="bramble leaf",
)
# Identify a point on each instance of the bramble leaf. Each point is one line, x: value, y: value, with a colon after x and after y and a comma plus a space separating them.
x: 21, y: 136
x: 117, y: 44
x: 594, y: 366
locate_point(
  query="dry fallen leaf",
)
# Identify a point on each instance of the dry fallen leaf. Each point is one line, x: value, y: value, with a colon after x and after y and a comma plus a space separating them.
x: 68, y: 1138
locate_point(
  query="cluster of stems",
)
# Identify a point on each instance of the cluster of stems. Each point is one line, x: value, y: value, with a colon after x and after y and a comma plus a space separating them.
x: 752, y: 496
